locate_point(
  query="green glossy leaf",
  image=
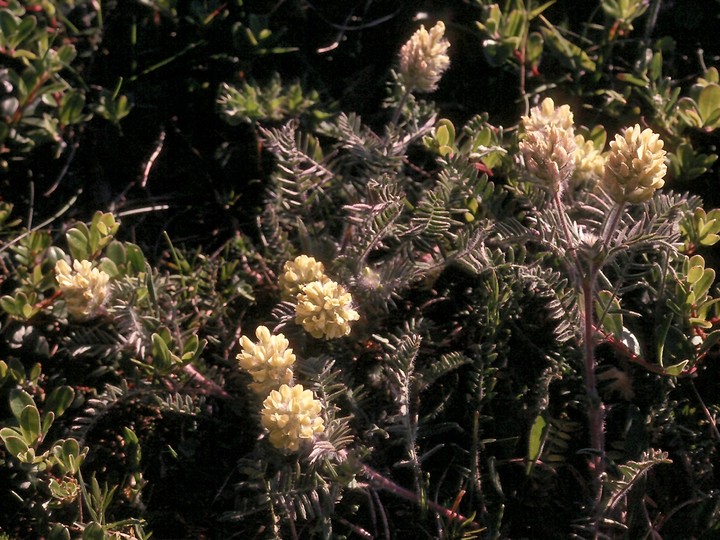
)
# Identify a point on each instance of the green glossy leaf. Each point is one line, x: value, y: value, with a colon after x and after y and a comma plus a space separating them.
x: 30, y: 424
x: 15, y: 445
x: 162, y: 357
x: 676, y: 369
x: 9, y: 305
x: 25, y: 28
x: 135, y: 257
x: 536, y: 441
x: 709, y: 239
x: 695, y: 273
x: 71, y: 108
x: 538, y: 10
x: 66, y: 54
x: 710, y: 341
x: 700, y: 323
x: 93, y: 531
x: 47, y: 423
x: 632, y: 79
x: 59, y: 532
x: 534, y: 48
x: 702, y: 285
x: 442, y: 136
x: 71, y: 447
x: 59, y: 400
x: 709, y: 104
x: 27, y: 311
x: 116, y: 252
x: 655, y: 67
x: 19, y: 399
x: 8, y: 25
x: 569, y: 54
x: 77, y: 239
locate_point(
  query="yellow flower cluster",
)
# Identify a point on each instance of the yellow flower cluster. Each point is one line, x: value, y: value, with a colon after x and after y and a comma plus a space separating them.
x: 548, y: 145
x: 269, y: 361
x: 324, y: 309
x: 299, y: 272
x: 83, y: 287
x: 291, y: 414
x: 635, y: 166
x: 423, y: 58
x: 589, y: 162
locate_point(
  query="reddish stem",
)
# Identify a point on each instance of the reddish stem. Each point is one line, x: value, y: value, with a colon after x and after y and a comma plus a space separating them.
x: 383, y: 483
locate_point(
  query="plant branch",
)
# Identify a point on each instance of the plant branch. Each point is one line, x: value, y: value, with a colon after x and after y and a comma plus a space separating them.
x: 379, y: 481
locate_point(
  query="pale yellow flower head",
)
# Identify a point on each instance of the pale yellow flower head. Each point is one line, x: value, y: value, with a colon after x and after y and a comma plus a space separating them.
x: 291, y: 414
x: 549, y: 155
x: 299, y: 272
x: 589, y: 162
x: 423, y: 58
x: 635, y: 166
x: 324, y: 309
x: 83, y: 287
x: 269, y: 360
x: 546, y: 114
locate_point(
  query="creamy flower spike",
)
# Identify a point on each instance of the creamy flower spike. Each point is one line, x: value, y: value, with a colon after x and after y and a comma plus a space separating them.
x: 589, y: 161
x: 83, y: 287
x: 549, y: 155
x: 423, y: 58
x: 324, y: 309
x: 548, y: 115
x: 299, y: 272
x: 291, y: 414
x: 635, y: 166
x: 548, y: 144
x: 269, y: 361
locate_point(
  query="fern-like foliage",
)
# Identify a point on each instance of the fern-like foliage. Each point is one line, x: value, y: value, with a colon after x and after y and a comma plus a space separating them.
x: 630, y: 473
x: 301, y: 175
x: 134, y: 315
x: 291, y: 497
x: 181, y: 404
x: 93, y: 341
x: 561, y: 431
x: 96, y: 408
x: 359, y: 152
x: 377, y: 222
x: 561, y: 301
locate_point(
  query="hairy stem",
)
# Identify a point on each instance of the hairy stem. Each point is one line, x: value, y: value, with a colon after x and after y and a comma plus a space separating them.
x: 398, y: 112
x: 587, y: 277
x: 596, y: 408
